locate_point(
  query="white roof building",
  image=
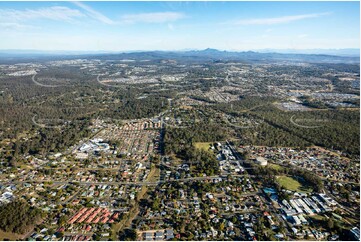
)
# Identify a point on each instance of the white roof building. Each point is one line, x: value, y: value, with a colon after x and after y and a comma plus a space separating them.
x: 261, y: 161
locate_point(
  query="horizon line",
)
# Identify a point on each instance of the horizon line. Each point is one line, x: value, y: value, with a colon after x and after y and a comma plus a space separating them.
x: 186, y: 49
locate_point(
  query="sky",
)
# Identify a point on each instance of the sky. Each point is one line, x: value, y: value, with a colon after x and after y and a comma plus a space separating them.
x: 129, y: 26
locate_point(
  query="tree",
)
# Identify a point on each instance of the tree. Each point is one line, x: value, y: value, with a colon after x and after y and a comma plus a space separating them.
x: 17, y: 216
x: 60, y: 234
x: 62, y: 220
x: 221, y: 226
x: 128, y: 235
x: 330, y: 224
x: 155, y: 205
x: 234, y: 219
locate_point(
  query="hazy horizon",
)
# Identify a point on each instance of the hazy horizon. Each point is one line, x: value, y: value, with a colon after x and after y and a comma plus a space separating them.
x: 352, y: 52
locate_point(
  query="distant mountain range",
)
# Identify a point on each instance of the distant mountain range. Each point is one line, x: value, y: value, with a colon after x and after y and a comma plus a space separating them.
x: 351, y: 52
x: 338, y: 52
x: 266, y: 55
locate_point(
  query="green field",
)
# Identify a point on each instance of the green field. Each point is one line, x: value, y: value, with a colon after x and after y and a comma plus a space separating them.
x: 292, y: 184
x: 275, y: 166
x: 203, y: 145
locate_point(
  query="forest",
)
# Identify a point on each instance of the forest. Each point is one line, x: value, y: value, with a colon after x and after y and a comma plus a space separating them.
x: 18, y: 217
x: 37, y: 120
x: 333, y: 128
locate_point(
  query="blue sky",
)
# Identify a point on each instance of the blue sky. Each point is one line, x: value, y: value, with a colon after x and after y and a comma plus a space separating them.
x: 124, y: 26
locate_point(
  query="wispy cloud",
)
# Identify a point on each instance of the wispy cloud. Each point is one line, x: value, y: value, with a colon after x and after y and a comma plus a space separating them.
x: 59, y: 13
x: 12, y: 18
x: 277, y: 20
x: 94, y: 14
x: 155, y: 17
x: 16, y: 26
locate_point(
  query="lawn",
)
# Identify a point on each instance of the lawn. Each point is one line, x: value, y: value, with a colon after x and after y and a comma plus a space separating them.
x: 275, y: 166
x: 203, y: 145
x: 292, y: 184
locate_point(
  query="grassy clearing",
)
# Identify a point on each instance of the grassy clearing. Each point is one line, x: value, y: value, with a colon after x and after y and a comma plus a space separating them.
x: 292, y: 184
x: 125, y: 222
x: 153, y: 174
x: 9, y: 236
x: 275, y: 166
x: 203, y: 145
x: 26, y: 167
x: 185, y: 107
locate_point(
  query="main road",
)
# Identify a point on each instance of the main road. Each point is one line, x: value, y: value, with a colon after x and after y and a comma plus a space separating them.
x: 121, y: 183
